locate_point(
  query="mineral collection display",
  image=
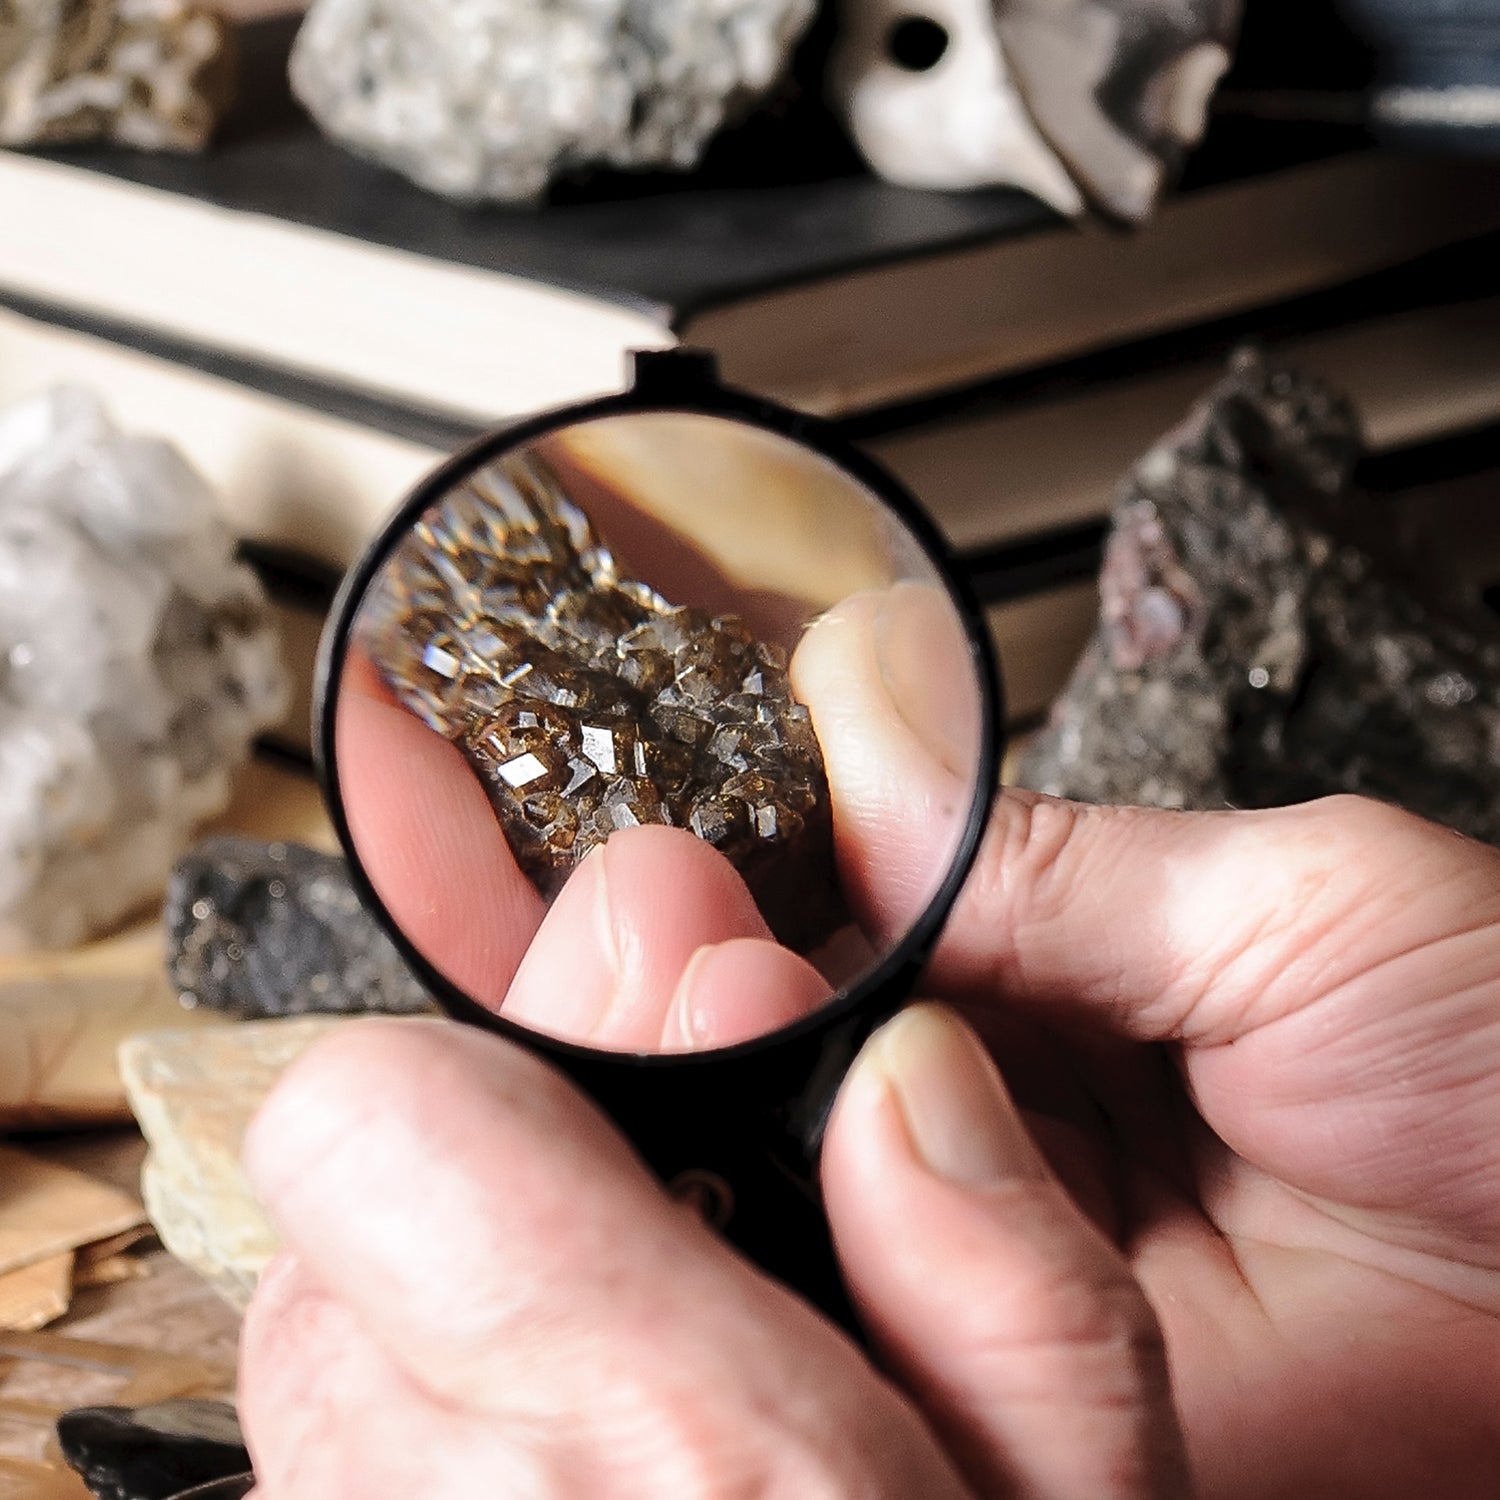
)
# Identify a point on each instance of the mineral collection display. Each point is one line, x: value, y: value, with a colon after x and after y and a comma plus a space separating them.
x: 1249, y: 653
x: 587, y: 703
x: 137, y: 662
x: 494, y: 99
x: 275, y: 929
x: 154, y: 74
x: 1078, y: 101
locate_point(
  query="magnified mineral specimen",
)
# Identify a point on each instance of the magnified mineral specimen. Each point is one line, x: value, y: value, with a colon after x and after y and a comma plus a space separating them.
x: 496, y: 98
x: 153, y: 1452
x: 587, y: 703
x: 137, y: 662
x: 261, y: 930
x: 156, y: 74
x: 1249, y: 654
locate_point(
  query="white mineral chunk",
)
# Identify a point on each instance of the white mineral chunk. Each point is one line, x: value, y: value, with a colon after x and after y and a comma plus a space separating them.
x: 137, y: 662
x: 495, y: 98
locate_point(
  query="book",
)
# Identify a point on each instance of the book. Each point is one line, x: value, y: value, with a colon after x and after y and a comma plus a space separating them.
x: 308, y: 473
x: 815, y: 282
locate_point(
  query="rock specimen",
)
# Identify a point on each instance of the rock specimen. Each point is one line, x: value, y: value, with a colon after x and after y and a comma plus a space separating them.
x: 1078, y: 101
x: 1249, y: 654
x: 137, y: 662
x: 276, y: 929
x: 493, y: 99
x: 152, y: 1452
x: 155, y: 74
x: 587, y: 703
x: 194, y: 1093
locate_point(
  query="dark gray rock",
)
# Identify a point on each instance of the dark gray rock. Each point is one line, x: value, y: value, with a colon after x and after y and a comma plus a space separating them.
x: 155, y: 1452
x: 257, y: 929
x: 1250, y: 653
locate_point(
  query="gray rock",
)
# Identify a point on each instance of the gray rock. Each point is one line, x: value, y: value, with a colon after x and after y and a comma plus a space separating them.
x: 154, y: 74
x: 493, y: 99
x: 275, y: 929
x: 1250, y: 653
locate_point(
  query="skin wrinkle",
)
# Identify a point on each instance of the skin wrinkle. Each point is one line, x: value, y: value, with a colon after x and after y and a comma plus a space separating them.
x: 642, y: 1362
x: 1300, y: 1369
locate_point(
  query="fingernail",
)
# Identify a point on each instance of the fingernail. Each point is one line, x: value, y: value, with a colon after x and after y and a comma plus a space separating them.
x: 686, y: 1023
x: 960, y: 1119
x: 927, y: 671
x: 594, y: 868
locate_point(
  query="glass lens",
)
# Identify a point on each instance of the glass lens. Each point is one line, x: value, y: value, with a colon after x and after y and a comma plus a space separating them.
x: 638, y: 720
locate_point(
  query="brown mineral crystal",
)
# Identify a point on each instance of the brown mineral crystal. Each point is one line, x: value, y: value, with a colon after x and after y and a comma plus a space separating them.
x: 588, y: 703
x: 1259, y: 640
x: 154, y: 74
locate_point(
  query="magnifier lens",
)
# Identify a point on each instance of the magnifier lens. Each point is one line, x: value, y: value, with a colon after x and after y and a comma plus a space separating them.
x: 628, y: 711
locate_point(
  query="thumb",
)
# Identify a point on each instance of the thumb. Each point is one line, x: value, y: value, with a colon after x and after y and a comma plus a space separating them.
x: 1008, y: 1317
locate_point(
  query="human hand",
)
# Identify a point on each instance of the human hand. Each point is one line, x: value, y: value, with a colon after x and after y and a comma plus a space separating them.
x: 482, y: 1289
x: 1015, y: 1328
x: 1263, y: 1051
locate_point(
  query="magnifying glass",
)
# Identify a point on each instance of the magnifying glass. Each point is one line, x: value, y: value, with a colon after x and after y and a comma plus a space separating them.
x: 595, y: 719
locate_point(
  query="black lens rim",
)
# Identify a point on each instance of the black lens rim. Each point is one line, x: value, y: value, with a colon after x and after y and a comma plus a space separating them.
x: 678, y: 381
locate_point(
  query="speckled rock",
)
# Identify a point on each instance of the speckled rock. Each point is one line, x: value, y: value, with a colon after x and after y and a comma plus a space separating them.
x: 1249, y: 654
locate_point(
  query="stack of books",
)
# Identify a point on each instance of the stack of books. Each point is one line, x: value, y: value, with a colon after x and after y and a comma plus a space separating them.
x: 315, y: 332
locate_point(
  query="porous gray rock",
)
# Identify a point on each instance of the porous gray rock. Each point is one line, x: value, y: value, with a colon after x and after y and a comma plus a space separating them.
x: 1253, y: 651
x: 1081, y: 102
x: 137, y: 663
x: 154, y: 74
x: 494, y: 99
x: 276, y: 929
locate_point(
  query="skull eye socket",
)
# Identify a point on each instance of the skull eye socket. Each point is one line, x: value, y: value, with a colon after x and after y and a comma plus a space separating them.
x: 916, y: 43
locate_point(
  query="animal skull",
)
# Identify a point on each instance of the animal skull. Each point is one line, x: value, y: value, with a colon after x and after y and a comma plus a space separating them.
x: 1076, y: 101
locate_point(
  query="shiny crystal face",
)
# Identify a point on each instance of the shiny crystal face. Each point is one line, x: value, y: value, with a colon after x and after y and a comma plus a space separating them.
x: 587, y: 703
x: 615, y: 735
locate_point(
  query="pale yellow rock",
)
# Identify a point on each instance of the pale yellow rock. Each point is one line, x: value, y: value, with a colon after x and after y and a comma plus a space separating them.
x: 194, y: 1092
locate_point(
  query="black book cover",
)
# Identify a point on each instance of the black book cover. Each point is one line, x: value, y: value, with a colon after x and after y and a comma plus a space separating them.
x: 780, y: 199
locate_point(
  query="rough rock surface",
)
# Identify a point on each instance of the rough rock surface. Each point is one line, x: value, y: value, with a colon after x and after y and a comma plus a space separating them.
x: 137, y: 662
x: 493, y: 99
x: 152, y: 1452
x: 154, y: 74
x: 194, y: 1093
x: 587, y: 703
x: 275, y: 929
x: 1249, y: 654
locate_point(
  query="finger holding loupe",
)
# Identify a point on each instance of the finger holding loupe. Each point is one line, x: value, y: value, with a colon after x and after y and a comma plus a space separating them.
x: 614, y: 719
